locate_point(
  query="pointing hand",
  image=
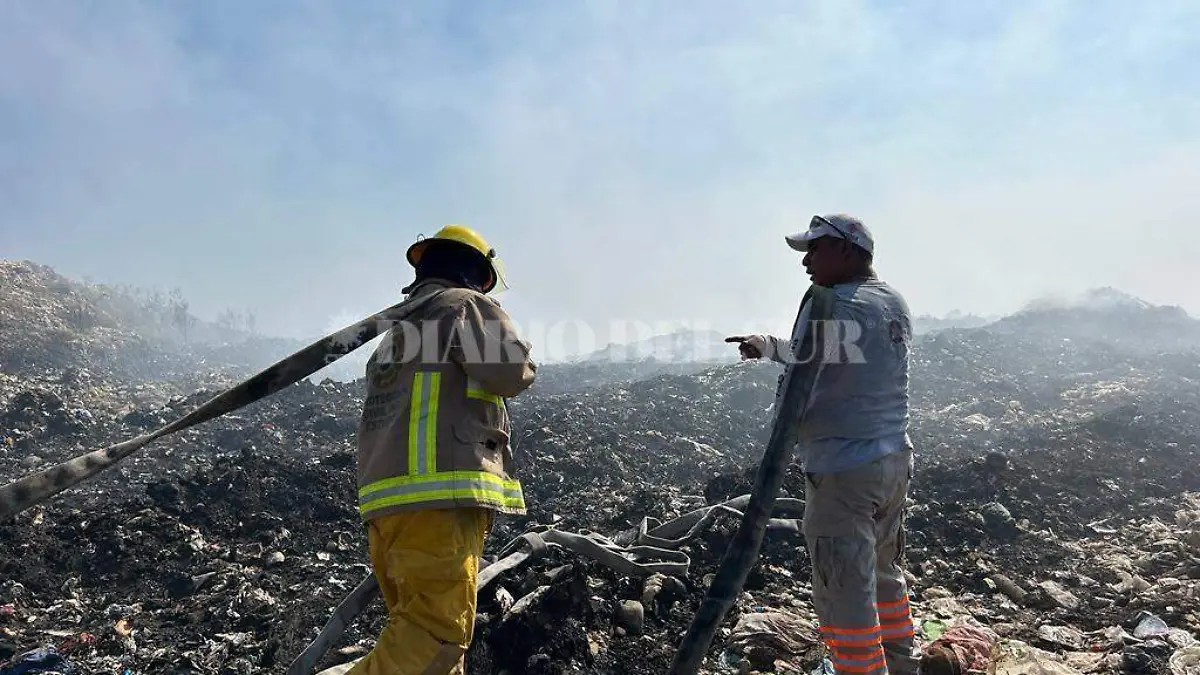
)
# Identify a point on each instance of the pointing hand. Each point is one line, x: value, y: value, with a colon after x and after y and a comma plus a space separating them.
x: 750, y: 346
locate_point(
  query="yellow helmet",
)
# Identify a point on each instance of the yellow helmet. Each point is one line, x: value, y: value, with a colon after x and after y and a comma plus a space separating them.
x: 468, y: 237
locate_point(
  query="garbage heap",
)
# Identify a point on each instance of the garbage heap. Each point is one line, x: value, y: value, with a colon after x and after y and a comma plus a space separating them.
x: 235, y: 569
x: 1054, y: 524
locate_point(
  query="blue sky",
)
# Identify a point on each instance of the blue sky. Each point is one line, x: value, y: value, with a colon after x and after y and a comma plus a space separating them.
x: 280, y: 156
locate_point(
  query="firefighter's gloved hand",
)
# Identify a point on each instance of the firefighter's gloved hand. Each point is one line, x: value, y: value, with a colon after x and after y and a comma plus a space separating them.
x: 750, y: 346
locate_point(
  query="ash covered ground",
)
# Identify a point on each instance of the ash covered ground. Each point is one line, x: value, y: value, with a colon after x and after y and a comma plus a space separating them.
x: 1055, y: 499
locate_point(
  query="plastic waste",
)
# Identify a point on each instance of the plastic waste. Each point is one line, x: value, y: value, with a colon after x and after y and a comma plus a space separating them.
x: 1186, y: 661
x: 1149, y: 626
x: 730, y: 659
x: 1062, y: 636
x: 780, y: 634
x: 825, y: 667
x: 932, y: 629
x: 39, y: 661
x: 960, y: 648
x: 1017, y: 658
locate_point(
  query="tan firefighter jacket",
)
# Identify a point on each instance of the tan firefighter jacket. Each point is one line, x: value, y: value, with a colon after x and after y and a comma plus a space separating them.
x: 434, y: 429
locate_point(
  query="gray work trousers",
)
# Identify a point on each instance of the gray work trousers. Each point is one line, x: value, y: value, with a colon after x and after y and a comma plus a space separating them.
x: 854, y: 529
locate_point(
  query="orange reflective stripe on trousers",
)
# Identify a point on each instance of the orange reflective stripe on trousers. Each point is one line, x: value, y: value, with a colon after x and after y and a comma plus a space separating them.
x: 895, y: 620
x: 855, y: 650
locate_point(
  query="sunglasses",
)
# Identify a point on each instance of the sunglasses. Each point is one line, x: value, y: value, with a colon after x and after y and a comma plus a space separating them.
x: 817, y: 221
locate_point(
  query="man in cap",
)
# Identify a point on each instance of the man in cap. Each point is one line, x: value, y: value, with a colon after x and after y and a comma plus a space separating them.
x: 858, y: 457
x: 434, y: 459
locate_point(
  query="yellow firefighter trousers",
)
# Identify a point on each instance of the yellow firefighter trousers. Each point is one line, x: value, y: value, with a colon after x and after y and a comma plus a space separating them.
x: 427, y: 563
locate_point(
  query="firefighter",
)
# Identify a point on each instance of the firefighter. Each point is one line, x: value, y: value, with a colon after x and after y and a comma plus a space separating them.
x: 434, y: 459
x: 858, y: 457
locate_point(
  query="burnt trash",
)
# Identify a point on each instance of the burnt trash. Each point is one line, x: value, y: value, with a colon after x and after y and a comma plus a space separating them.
x: 42, y: 660
x: 766, y: 637
x: 998, y: 521
x: 1056, y: 500
x: 631, y: 616
x: 660, y: 592
x: 549, y: 620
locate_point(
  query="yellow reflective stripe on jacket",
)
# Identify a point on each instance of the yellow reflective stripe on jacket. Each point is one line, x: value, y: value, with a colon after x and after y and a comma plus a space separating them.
x: 484, y: 396
x: 476, y: 390
x: 423, y: 422
x: 476, y: 486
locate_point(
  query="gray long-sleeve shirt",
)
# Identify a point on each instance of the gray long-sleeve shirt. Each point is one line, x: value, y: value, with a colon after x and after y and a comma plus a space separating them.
x: 858, y: 410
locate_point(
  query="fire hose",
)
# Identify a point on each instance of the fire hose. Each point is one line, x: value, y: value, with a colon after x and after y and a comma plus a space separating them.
x: 37, y: 488
x: 799, y: 378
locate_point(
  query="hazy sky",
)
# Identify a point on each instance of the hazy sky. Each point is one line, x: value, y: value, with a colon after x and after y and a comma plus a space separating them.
x: 280, y: 156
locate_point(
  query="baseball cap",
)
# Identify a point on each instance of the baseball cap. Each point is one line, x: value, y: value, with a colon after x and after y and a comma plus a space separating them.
x: 838, y: 226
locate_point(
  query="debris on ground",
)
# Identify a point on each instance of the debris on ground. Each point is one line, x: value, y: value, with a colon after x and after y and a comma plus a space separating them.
x: 1055, y: 510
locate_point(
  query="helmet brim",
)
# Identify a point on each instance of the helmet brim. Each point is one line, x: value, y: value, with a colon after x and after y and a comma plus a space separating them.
x: 495, y: 284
